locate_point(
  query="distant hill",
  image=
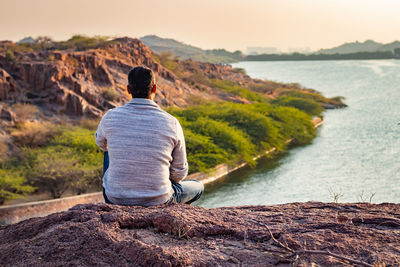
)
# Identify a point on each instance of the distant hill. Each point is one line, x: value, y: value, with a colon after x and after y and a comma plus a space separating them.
x: 185, y: 51
x: 356, y: 47
x: 26, y: 40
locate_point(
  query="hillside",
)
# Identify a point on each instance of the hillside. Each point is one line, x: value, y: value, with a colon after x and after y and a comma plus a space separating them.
x: 356, y: 47
x: 185, y: 51
x: 300, y: 234
x: 52, y: 95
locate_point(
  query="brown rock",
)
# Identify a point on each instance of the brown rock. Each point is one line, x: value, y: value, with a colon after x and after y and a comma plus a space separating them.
x: 7, y: 117
x: 8, y: 88
x: 183, y: 235
x: 71, y: 83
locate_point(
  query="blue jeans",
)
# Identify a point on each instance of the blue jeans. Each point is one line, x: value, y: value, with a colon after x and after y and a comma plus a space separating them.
x: 186, y: 191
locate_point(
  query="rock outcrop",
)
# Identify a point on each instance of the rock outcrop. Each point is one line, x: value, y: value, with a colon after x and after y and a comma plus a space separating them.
x: 71, y: 82
x: 183, y: 235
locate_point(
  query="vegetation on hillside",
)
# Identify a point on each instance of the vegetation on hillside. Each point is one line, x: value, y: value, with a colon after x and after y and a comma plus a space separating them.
x: 224, y: 132
x: 56, y: 159
x: 58, y: 155
x: 76, y: 42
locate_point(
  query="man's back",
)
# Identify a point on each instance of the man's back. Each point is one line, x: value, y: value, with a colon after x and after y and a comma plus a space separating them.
x: 146, y: 149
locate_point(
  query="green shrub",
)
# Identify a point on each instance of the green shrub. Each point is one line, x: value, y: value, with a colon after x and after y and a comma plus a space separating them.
x: 71, y: 160
x: 294, y: 123
x: 231, y: 87
x: 3, y: 147
x: 259, y: 127
x: 241, y: 70
x: 202, y: 153
x: 236, y: 143
x: 55, y: 168
x: 307, y: 105
x: 168, y: 60
x: 82, y: 142
x: 10, y: 55
x: 239, y: 130
x: 13, y: 185
x: 110, y: 94
x: 82, y: 42
x: 33, y: 134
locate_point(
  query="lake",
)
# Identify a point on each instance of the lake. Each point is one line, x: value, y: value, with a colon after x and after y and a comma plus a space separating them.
x: 356, y: 155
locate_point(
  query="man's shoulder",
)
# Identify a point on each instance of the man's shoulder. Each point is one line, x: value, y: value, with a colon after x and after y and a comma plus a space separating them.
x: 169, y: 116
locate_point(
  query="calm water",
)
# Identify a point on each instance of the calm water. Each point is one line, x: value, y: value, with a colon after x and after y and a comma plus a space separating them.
x: 356, y: 153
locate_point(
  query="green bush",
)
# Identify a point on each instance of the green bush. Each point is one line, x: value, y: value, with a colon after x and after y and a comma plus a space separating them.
x: 220, y: 132
x: 13, y: 185
x: 33, y: 134
x: 82, y: 42
x: 247, y: 118
x: 228, y: 138
x: 294, y: 123
x: 202, y: 153
x: 231, y: 87
x: 110, y: 94
x: 10, y: 55
x: 307, y: 105
x: 68, y: 161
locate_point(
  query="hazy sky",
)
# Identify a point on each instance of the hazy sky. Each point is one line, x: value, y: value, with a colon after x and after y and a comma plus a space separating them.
x: 230, y: 24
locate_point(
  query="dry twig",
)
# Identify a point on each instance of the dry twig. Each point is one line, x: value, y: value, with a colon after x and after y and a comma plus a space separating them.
x: 297, y: 253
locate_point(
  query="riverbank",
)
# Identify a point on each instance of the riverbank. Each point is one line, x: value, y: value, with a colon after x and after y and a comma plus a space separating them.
x: 10, y: 214
x: 324, y: 234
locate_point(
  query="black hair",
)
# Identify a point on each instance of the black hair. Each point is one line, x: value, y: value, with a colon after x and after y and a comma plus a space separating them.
x: 141, y: 81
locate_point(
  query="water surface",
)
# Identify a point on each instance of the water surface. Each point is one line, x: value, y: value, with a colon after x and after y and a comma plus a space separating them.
x: 356, y: 153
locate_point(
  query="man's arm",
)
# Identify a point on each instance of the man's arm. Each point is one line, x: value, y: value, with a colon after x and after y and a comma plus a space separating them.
x: 100, y: 136
x: 179, y: 166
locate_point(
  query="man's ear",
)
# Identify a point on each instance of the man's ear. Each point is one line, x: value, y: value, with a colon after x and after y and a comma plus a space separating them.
x: 129, y: 89
x: 154, y: 89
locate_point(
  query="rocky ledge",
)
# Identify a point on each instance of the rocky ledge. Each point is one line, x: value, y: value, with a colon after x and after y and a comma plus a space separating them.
x: 306, y: 234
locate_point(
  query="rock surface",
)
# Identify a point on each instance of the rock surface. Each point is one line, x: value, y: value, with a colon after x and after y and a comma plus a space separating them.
x: 71, y: 82
x: 183, y: 235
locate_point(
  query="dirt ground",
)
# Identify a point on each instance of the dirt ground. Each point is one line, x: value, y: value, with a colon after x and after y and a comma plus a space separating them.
x: 302, y: 234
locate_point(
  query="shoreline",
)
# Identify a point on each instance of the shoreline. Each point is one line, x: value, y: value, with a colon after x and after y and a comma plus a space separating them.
x: 10, y: 214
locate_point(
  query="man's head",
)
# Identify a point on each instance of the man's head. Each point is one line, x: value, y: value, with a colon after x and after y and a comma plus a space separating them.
x: 142, y: 83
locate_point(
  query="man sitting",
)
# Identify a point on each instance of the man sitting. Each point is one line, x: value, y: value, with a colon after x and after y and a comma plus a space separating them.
x: 146, y: 150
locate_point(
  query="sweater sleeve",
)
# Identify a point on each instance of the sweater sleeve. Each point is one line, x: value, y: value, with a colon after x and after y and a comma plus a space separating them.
x: 100, y: 135
x: 179, y: 166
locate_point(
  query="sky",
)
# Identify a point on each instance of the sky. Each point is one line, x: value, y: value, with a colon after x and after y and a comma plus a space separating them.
x: 229, y: 24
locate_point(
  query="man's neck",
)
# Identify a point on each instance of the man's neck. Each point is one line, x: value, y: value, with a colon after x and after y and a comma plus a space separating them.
x: 148, y: 98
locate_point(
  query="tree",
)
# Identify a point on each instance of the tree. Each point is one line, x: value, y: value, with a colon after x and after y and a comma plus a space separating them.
x: 56, y: 169
x: 44, y: 42
x: 13, y: 185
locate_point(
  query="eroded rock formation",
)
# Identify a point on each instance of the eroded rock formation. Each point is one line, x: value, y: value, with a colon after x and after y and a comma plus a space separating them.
x: 71, y: 82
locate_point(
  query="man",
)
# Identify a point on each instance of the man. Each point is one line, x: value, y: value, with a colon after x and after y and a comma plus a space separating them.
x: 146, y: 150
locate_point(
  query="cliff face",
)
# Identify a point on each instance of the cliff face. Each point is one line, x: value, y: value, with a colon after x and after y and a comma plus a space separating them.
x: 71, y: 82
x: 183, y: 235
